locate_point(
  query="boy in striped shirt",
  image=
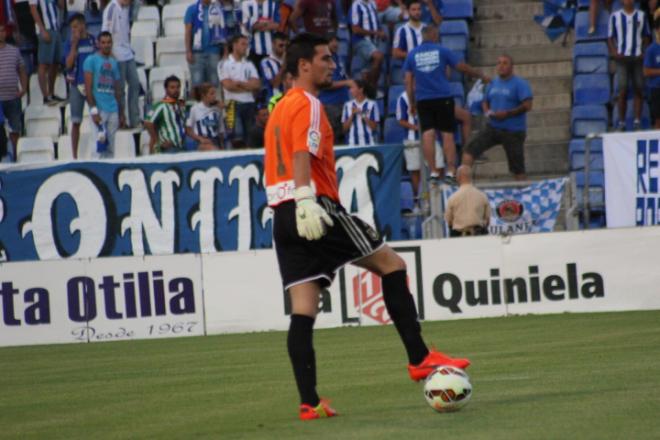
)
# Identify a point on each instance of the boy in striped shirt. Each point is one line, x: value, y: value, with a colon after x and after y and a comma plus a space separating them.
x: 366, y: 35
x: 260, y: 19
x: 360, y: 116
x: 629, y: 35
x: 166, y: 121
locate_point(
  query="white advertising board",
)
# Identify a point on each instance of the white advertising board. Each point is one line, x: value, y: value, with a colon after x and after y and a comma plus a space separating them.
x: 101, y: 299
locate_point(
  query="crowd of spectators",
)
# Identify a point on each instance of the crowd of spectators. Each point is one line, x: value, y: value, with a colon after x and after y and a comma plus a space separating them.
x: 233, y: 49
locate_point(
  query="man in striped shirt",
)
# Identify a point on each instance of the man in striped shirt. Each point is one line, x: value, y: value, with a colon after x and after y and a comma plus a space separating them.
x: 49, y: 54
x: 166, y: 122
x: 409, y: 36
x: 271, y: 66
x: 366, y: 34
x: 260, y: 19
x: 629, y: 35
x: 12, y: 72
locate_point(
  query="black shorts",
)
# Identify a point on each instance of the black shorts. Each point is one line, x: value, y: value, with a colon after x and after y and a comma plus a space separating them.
x: 301, y: 260
x: 654, y: 101
x: 437, y: 114
x: 513, y: 143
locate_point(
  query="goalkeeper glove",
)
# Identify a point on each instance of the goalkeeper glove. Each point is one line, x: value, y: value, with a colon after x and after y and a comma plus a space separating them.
x: 311, y: 218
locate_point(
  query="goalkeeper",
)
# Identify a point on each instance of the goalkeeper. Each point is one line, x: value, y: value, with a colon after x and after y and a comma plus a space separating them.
x: 314, y: 236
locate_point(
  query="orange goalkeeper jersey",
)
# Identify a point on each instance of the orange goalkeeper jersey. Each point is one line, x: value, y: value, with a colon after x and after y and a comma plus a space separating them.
x: 299, y: 123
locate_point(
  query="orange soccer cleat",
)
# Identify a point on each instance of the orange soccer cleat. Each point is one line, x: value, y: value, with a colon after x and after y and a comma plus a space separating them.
x: 433, y: 360
x: 322, y: 410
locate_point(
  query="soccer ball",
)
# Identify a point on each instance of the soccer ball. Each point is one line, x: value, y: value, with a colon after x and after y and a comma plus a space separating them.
x: 447, y: 389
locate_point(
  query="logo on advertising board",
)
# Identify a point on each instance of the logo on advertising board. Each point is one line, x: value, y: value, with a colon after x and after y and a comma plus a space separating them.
x: 362, y: 291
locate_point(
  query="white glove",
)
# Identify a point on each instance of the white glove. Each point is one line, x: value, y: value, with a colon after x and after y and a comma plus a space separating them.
x: 311, y: 218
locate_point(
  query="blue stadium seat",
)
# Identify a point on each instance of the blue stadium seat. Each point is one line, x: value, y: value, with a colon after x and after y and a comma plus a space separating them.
x: 393, y: 95
x: 455, y: 35
x: 582, y: 26
x: 583, y: 4
x: 396, y: 72
x: 630, y: 118
x: 578, y: 146
x: 380, y: 102
x: 462, y: 9
x: 458, y: 92
x: 595, y: 161
x: 394, y: 133
x: 590, y: 58
x: 407, y: 197
x: 596, y: 189
x: 591, y: 89
x: 343, y: 34
x: 587, y: 119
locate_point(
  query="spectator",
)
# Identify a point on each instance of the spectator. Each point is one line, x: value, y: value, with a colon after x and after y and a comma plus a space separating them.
x: 468, y: 209
x: 102, y: 84
x: 25, y: 23
x: 166, y: 121
x: 205, y: 31
x: 77, y: 48
x: 271, y: 66
x: 260, y: 19
x: 3, y: 137
x: 204, y: 125
x: 286, y: 86
x: 360, y: 116
x: 627, y: 49
x: 12, y: 72
x: 652, y: 74
x: 411, y: 153
x: 506, y: 103
x: 8, y: 19
x: 366, y: 33
x: 432, y: 11
x: 594, y: 6
x: 116, y: 20
x: 430, y: 95
x: 319, y: 16
x: 240, y: 80
x: 256, y: 137
x: 390, y: 12
x: 49, y: 53
x: 334, y: 97
x: 409, y: 36
x: 285, y: 11
x: 232, y: 23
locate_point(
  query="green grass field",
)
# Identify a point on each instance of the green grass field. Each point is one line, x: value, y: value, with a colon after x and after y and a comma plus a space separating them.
x: 580, y: 376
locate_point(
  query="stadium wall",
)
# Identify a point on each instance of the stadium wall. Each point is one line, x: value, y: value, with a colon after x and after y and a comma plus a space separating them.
x: 118, y: 298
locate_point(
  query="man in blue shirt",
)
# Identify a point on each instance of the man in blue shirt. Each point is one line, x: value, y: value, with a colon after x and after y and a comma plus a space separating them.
x: 652, y: 75
x: 205, y: 32
x: 506, y: 101
x: 430, y: 97
x: 77, y: 48
x: 102, y: 89
x: 334, y: 97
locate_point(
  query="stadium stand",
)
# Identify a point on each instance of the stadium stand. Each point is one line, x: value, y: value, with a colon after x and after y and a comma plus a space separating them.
x: 42, y: 121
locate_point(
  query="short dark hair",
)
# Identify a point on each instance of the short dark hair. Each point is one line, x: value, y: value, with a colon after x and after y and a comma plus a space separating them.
x: 302, y: 47
x: 169, y: 79
x: 77, y: 17
x: 410, y: 2
x: 280, y: 36
x: 104, y: 34
x: 234, y: 39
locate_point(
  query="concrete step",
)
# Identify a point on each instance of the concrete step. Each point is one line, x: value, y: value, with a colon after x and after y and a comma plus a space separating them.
x: 508, y: 11
x: 558, y: 101
x: 500, y: 170
x: 534, y: 70
x: 522, y: 54
x: 480, y: 3
x: 548, y: 118
x: 555, y: 133
x: 533, y: 36
x: 552, y: 85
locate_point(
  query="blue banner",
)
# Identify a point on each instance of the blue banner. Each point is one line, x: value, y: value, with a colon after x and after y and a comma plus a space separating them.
x: 533, y: 208
x: 172, y: 204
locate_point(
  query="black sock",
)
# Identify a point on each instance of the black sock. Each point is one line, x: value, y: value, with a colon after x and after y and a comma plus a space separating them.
x: 401, y: 307
x: 301, y: 353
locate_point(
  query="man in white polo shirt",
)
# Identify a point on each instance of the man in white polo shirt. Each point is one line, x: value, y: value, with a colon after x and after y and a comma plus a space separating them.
x: 240, y: 81
x: 116, y: 20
